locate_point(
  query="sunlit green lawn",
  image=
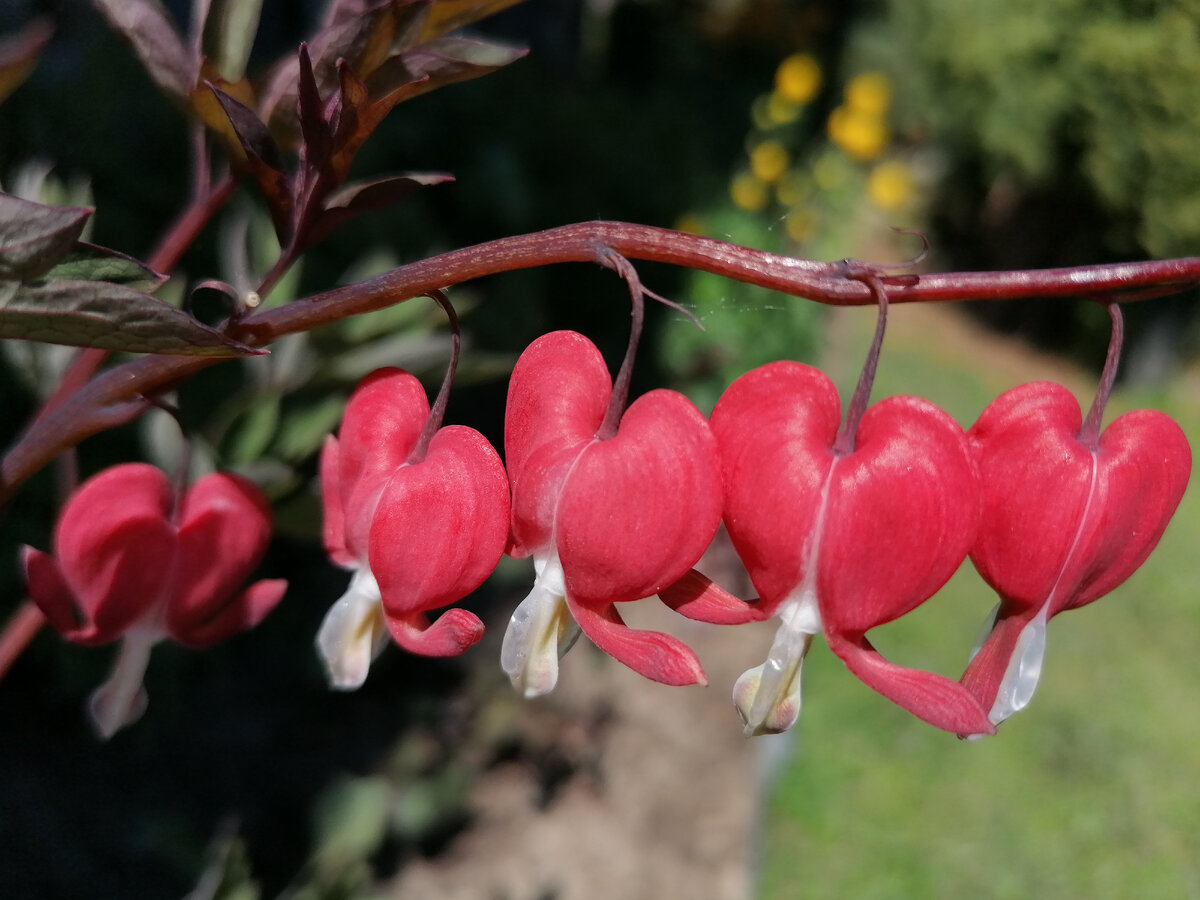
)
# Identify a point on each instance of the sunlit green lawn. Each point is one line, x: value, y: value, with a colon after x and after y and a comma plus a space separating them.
x: 1093, y: 791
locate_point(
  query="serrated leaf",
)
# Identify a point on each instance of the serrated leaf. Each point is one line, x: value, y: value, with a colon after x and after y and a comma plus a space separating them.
x: 19, y: 53
x: 447, y: 15
x: 110, y: 317
x: 149, y: 29
x: 253, y: 431
x: 228, y: 35
x: 33, y: 237
x: 88, y: 262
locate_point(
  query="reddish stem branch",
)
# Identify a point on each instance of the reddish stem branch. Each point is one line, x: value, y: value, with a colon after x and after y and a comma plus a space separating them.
x: 1089, y: 434
x: 105, y: 400
x: 21, y: 628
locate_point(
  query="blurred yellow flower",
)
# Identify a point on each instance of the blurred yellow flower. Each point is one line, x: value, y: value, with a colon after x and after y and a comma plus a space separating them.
x: 790, y: 190
x: 861, y: 134
x: 870, y: 92
x: 748, y: 192
x: 798, y: 78
x: 780, y: 110
x: 890, y: 185
x: 800, y: 225
x: 769, y: 161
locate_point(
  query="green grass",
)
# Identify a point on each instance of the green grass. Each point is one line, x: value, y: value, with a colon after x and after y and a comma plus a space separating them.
x: 1092, y: 791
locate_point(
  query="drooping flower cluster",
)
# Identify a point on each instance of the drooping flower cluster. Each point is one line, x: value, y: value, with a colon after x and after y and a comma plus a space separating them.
x: 420, y: 527
x: 843, y: 525
x: 133, y: 562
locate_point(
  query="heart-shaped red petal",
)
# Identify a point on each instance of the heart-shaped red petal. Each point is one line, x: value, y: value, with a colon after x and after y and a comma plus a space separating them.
x: 1064, y: 523
x: 557, y: 398
x: 115, y: 551
x: 441, y: 524
x: 639, y: 509
x: 224, y: 531
x: 382, y: 422
x: 903, y: 511
x: 775, y: 427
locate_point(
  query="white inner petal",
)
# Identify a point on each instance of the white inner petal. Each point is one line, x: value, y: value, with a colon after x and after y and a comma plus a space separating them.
x: 121, y: 700
x: 1024, y: 669
x: 768, y: 697
x: 540, y: 631
x: 353, y: 632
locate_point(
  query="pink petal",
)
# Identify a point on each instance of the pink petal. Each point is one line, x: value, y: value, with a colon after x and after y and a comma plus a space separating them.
x: 988, y: 671
x: 225, y: 530
x: 939, y: 701
x: 1063, y: 523
x: 557, y: 398
x: 638, y: 510
x: 703, y: 600
x: 334, y: 516
x: 1035, y: 479
x: 903, y: 511
x: 441, y: 524
x: 775, y: 427
x: 115, y: 550
x: 652, y: 654
x: 381, y: 425
x: 242, y: 613
x: 1145, y: 462
x: 450, y: 634
x: 50, y: 592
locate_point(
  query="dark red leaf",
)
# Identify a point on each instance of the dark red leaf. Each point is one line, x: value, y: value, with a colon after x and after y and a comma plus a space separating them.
x: 148, y: 27
x: 33, y: 237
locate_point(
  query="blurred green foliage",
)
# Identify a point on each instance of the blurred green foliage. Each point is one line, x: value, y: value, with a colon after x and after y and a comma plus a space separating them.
x: 1041, y: 91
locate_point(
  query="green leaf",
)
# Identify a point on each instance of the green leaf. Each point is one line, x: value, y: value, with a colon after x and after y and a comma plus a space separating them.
x: 88, y: 262
x: 148, y: 27
x: 33, y: 237
x: 254, y: 430
x: 108, y: 316
x: 229, y: 31
x: 304, y: 429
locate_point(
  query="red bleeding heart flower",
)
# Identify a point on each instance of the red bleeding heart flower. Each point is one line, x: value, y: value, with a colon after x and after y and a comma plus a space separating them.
x: 611, y: 510
x: 420, y: 517
x: 132, y: 562
x: 1069, y: 514
x: 839, y: 536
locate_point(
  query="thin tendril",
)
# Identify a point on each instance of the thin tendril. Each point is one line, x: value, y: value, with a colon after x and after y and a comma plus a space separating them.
x: 844, y: 444
x: 1089, y: 434
x: 619, y: 398
x: 437, y: 412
